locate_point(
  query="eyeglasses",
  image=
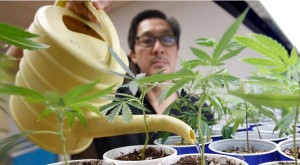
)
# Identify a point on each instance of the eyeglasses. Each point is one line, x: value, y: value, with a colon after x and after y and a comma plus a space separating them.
x: 149, y: 41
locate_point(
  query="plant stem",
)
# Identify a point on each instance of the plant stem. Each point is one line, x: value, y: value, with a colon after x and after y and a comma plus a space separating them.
x: 200, y: 105
x: 143, y: 94
x: 247, y: 131
x: 61, y: 134
x: 294, y: 136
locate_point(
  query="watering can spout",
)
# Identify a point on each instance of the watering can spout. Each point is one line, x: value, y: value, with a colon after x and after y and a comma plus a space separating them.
x: 101, y: 127
x: 78, y: 138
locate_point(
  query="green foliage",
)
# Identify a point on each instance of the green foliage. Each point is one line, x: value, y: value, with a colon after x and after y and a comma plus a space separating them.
x: 8, y: 143
x: 122, y: 106
x: 7, y: 64
x: 276, y: 84
x: 203, y: 86
x: 18, y: 37
x: 68, y: 107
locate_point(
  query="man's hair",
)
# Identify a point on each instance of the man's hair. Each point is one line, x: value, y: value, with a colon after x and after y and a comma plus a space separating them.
x: 151, y: 14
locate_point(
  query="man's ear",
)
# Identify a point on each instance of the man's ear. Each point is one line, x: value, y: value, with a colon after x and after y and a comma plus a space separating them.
x: 133, y: 57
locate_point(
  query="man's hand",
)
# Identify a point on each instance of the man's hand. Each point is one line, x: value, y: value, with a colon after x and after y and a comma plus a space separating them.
x: 79, y: 8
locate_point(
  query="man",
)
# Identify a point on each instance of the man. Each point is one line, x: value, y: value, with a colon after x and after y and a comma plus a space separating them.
x: 154, y: 41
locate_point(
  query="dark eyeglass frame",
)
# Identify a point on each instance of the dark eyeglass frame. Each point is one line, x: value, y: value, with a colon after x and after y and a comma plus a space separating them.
x: 160, y: 38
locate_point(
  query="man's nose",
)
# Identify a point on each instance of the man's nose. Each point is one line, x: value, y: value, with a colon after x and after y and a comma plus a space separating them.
x: 158, y: 47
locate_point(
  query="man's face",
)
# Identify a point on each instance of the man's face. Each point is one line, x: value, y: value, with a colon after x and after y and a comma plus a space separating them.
x: 156, y: 58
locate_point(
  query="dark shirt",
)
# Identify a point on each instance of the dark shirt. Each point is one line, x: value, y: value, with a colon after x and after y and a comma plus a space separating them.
x: 104, y: 144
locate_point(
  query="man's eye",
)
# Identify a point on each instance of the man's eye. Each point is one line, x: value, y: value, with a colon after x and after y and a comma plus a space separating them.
x: 147, y: 40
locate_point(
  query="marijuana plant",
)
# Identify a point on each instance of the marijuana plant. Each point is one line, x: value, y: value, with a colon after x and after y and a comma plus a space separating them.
x: 205, y: 86
x: 277, y: 81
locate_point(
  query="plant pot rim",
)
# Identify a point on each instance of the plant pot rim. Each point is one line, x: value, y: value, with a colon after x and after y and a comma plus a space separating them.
x: 262, y: 132
x: 287, y: 141
x: 106, y: 162
x: 177, y: 157
x: 235, y: 141
x: 171, y: 138
x: 291, y: 136
x: 281, y: 161
x: 132, y: 148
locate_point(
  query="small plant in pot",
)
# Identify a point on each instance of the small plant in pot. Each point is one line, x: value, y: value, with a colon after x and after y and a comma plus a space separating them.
x: 206, y: 87
x: 252, y: 150
x: 123, y: 103
x: 277, y: 82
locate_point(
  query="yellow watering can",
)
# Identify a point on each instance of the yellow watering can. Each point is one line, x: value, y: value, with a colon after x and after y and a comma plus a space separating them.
x: 78, y: 54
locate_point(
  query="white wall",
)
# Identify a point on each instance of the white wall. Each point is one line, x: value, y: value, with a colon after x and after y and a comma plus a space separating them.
x: 197, y: 19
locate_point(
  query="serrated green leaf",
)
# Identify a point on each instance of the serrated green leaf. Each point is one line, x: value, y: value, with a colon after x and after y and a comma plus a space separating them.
x: 138, y: 106
x: 260, y: 61
x: 223, y: 78
x: 71, y: 117
x: 174, y: 88
x: 208, y: 42
x: 215, y: 102
x: 124, y: 95
x: 226, y: 38
x: 53, y: 98
x: 293, y: 57
x: 273, y: 46
x: 285, y: 123
x: 256, y: 43
x: 19, y: 37
x: 226, y: 132
x: 201, y: 55
x: 29, y: 94
x: 195, y: 63
x: 81, y: 119
x: 230, y: 54
x: 182, y: 73
x: 265, y: 81
x: 46, y: 112
x: 117, y: 74
x: 133, y: 87
x: 273, y: 100
x: 73, y: 94
x: 107, y: 107
x: 121, y: 63
x: 126, y: 113
x: 85, y: 105
x: 114, y: 113
x: 12, y: 30
x: 279, y: 69
x: 95, y: 95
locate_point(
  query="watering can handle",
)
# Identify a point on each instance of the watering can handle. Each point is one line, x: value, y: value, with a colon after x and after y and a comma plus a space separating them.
x: 109, y: 30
